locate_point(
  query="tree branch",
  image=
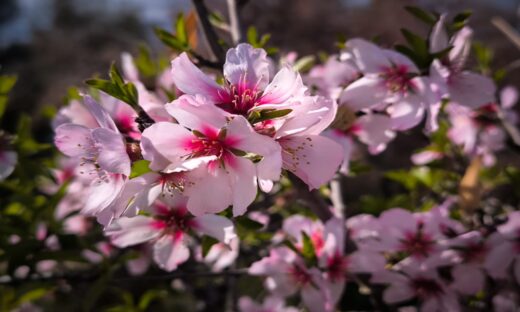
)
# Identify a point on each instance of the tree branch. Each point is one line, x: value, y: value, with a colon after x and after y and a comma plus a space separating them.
x: 313, y: 198
x: 209, y: 31
x: 234, y: 22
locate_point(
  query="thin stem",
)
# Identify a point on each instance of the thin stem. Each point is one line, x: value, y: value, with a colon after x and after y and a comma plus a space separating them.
x: 312, y: 198
x: 209, y: 31
x: 234, y: 23
x: 336, y: 195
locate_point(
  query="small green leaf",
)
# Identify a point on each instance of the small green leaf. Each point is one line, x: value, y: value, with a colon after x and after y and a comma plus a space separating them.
x: 422, y: 15
x: 305, y: 63
x: 170, y: 40
x: 248, y: 224
x: 252, y: 36
x: 268, y: 114
x: 308, y: 252
x: 139, y: 168
x: 180, y: 27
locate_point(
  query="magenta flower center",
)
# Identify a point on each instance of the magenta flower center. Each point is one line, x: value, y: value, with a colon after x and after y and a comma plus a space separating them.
x: 172, y: 221
x: 398, y: 79
x: 337, y: 267
x: 417, y: 244
x: 426, y: 288
x: 299, y: 275
x: 239, y: 100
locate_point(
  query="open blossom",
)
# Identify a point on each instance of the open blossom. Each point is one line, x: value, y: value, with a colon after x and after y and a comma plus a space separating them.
x: 448, y: 75
x: 221, y: 143
x: 168, y: 229
x: 302, y: 145
x: 102, y: 153
x: 248, y: 82
x: 390, y: 80
x: 413, y: 282
x: 332, y: 77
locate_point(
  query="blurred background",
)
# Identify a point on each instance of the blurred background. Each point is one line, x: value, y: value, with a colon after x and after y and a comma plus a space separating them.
x: 53, y: 44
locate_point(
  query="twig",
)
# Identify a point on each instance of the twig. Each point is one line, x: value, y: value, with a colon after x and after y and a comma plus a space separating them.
x: 313, y: 198
x: 234, y: 23
x: 209, y: 31
x: 92, y: 276
x: 336, y: 195
x: 507, y: 30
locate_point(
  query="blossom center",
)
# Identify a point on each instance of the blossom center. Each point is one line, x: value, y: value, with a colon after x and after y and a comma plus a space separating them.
x: 426, y: 288
x: 417, y: 244
x: 397, y: 79
x: 239, y: 100
x: 337, y: 267
x: 299, y: 275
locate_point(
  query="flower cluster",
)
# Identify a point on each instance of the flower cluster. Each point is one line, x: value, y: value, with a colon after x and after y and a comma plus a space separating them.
x: 381, y: 91
x: 207, y: 150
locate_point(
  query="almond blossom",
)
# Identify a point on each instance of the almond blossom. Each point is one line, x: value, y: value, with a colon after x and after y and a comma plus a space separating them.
x: 390, y: 80
x: 221, y: 144
x: 102, y: 153
x: 248, y: 85
x: 168, y: 229
x: 447, y: 73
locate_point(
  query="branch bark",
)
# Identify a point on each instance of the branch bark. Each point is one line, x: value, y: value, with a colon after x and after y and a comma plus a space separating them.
x: 312, y: 198
x: 209, y: 31
x: 234, y: 22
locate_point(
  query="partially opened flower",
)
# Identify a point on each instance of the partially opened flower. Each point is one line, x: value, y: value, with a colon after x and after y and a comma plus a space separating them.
x: 460, y: 86
x: 168, y: 228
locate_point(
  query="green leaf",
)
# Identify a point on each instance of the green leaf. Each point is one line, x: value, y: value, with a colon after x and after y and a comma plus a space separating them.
x: 422, y: 15
x: 170, y: 40
x: 252, y: 36
x: 308, y: 252
x: 116, y: 87
x: 180, y: 27
x: 139, y: 168
x: 32, y: 295
x: 267, y: 114
x: 419, y: 45
x: 144, y: 62
x: 305, y: 63
x: 248, y: 224
x: 460, y: 20
x: 207, y: 243
x: 6, y: 84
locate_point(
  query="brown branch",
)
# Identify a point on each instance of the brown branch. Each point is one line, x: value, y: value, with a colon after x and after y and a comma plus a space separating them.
x: 313, y: 199
x: 209, y: 31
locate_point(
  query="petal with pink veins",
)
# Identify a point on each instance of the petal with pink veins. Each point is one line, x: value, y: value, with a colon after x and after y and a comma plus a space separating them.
x: 197, y: 113
x: 167, y: 140
x: 191, y: 80
x: 247, y: 67
x: 112, y: 155
x: 99, y: 113
x: 364, y: 93
x: 472, y: 90
x: 170, y: 251
x: 75, y: 141
x: 314, y: 159
x: 103, y: 192
x: 287, y: 83
x: 215, y: 226
x: 369, y: 58
x: 125, y: 232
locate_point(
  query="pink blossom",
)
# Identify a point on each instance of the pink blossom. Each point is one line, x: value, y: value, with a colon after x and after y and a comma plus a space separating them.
x: 168, y: 230
x: 217, y: 143
x: 8, y: 160
x: 102, y: 151
x: 248, y: 84
x: 413, y: 282
x: 302, y: 146
x: 448, y: 74
x: 389, y: 79
x: 330, y: 78
x: 221, y: 256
